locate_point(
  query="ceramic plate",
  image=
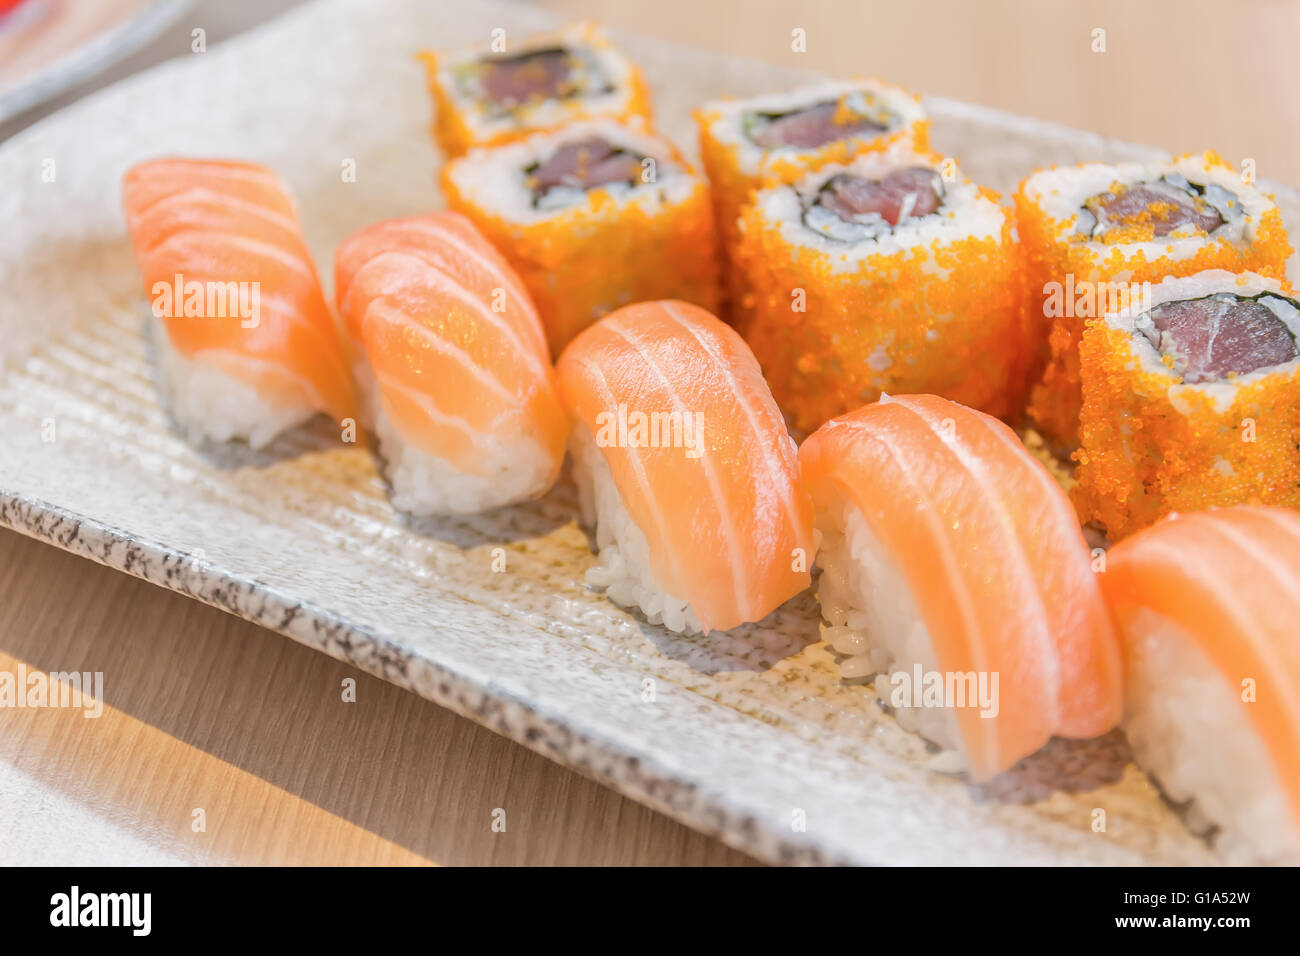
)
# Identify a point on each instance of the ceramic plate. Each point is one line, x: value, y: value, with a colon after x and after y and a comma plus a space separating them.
x: 749, y: 735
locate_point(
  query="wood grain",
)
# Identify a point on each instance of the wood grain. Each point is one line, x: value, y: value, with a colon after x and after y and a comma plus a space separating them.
x: 1182, y: 75
x: 205, y: 711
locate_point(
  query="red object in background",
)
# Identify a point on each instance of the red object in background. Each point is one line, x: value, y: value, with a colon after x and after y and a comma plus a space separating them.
x: 49, y: 46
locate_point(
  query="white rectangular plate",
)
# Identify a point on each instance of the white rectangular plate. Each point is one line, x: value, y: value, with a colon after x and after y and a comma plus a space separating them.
x: 749, y: 735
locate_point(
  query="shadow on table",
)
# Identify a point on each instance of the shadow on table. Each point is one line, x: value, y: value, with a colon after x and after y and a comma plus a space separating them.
x: 409, y: 772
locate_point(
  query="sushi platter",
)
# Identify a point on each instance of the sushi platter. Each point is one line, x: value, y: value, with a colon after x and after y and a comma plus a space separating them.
x: 474, y: 511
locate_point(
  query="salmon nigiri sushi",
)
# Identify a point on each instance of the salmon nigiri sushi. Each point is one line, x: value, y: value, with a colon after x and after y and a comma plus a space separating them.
x: 685, y: 468
x: 955, y: 572
x: 1206, y: 604
x: 453, y: 364
x: 247, y: 345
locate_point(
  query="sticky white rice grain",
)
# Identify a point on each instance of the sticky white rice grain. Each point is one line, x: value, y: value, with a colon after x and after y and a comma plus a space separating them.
x: 1199, y: 285
x: 425, y: 484
x: 210, y: 405
x: 870, y: 615
x: 1189, y: 729
x: 623, y: 555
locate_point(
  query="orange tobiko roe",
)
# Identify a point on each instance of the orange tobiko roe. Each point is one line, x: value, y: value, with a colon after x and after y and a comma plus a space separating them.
x: 455, y: 135
x: 600, y: 255
x: 942, y: 318
x: 1051, y: 252
x: 732, y: 187
x: 1150, y: 446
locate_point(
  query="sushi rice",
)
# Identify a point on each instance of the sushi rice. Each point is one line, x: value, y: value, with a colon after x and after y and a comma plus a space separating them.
x: 210, y: 405
x: 1205, y: 604
x: 927, y: 304
x: 1063, y: 241
x: 952, y: 560
x: 1187, y: 727
x: 426, y: 484
x: 737, y: 165
x: 1060, y: 193
x: 497, y: 180
x: 461, y: 396
x: 466, y: 118
x: 870, y: 616
x: 203, y: 224
x: 586, y: 251
x: 967, y: 211
x: 704, y: 537
x: 623, y: 554
x: 1152, y: 443
x: 724, y: 123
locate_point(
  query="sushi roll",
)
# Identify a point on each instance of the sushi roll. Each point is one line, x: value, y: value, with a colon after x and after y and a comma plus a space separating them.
x: 745, y: 143
x: 1091, y: 233
x: 593, y: 216
x: 453, y: 364
x: 951, y: 560
x: 685, y: 469
x: 884, y: 275
x: 1191, y: 399
x: 1206, y: 605
x: 246, y: 343
x: 484, y: 98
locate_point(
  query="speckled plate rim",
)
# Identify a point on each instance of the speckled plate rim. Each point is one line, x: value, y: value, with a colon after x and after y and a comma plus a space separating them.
x: 639, y: 775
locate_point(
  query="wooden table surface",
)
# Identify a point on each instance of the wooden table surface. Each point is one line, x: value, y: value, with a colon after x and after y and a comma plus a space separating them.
x: 1182, y: 75
x: 205, y: 711
x: 208, y: 712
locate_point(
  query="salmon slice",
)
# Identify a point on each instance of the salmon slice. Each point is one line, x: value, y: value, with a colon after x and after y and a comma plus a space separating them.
x: 1229, y: 582
x: 215, y: 221
x: 453, y: 342
x: 728, y: 526
x: 992, y: 554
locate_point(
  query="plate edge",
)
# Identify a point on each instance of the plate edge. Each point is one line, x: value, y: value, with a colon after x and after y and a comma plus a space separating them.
x: 548, y: 735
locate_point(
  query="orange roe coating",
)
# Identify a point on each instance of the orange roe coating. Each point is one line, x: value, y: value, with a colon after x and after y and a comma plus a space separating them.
x: 1149, y: 447
x: 889, y: 325
x: 455, y: 136
x: 597, y: 256
x: 1050, y: 254
x: 732, y: 187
